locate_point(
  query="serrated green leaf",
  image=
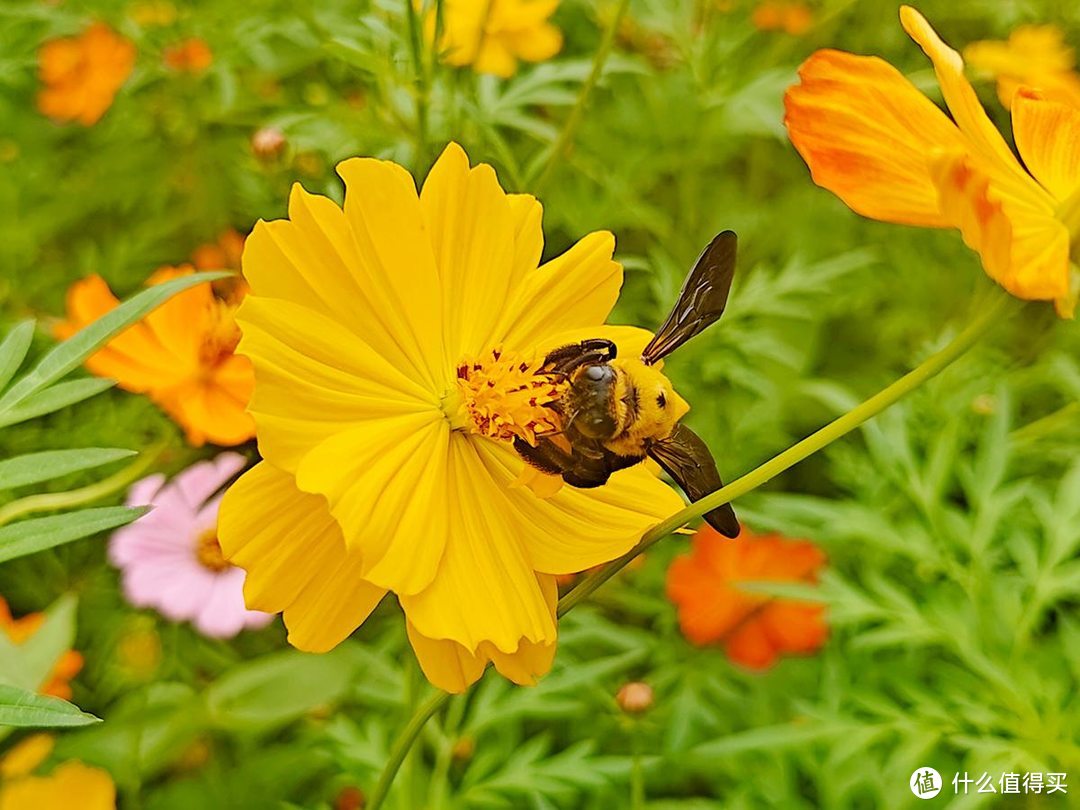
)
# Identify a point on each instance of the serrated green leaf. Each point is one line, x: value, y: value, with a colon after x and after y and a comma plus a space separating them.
x: 24, y: 709
x: 73, y: 351
x: 38, y: 534
x: 13, y: 350
x: 54, y: 398
x: 34, y: 468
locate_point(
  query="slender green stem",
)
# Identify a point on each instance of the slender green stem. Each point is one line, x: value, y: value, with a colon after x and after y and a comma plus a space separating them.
x: 933, y: 365
x: 52, y: 501
x: 562, y: 143
x: 796, y: 453
x: 1065, y: 415
x: 403, y: 744
x: 416, y: 45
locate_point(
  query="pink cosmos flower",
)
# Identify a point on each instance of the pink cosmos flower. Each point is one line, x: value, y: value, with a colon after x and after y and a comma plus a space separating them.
x: 170, y: 558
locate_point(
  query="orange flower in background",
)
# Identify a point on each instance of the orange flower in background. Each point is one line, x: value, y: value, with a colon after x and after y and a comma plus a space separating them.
x: 67, y: 665
x: 71, y: 781
x: 753, y: 627
x: 81, y: 74
x: 1034, y: 56
x: 224, y: 254
x: 180, y: 355
x: 493, y: 35
x: 869, y: 136
x: 191, y: 55
x: 792, y: 18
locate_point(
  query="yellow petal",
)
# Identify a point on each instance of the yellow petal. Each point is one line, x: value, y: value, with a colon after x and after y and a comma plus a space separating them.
x: 1023, y: 248
x: 311, y: 260
x: 494, y: 57
x: 531, y: 659
x: 866, y: 134
x: 485, y: 589
x: 535, y: 44
x: 576, y: 529
x: 573, y: 291
x: 93, y: 788
x: 472, y: 229
x: 295, y: 558
x: 396, y: 260
x: 447, y: 664
x: 314, y: 378
x: 1048, y: 137
x: 26, y: 755
x: 386, y: 482
x: 528, y: 217
x: 982, y: 136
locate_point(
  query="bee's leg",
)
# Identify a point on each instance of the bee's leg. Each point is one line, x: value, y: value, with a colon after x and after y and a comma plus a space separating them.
x: 588, y: 352
x: 545, y: 457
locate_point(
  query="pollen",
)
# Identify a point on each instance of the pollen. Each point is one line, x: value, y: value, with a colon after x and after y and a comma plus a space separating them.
x: 208, y: 552
x: 505, y: 396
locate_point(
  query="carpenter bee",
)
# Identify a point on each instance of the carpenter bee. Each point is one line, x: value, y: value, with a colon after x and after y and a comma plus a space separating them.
x: 618, y: 410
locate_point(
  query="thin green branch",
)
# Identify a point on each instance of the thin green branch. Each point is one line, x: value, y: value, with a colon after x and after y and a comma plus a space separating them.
x: 403, y: 744
x: 561, y: 147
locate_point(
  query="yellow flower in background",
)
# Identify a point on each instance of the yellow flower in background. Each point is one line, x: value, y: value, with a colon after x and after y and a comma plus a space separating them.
x: 393, y: 343
x: 793, y: 18
x: 69, y: 785
x: 81, y: 74
x: 67, y: 666
x: 1034, y: 56
x: 180, y: 355
x: 493, y: 35
x: 869, y: 136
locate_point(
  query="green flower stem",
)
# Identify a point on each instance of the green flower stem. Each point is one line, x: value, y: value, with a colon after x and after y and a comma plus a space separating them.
x: 797, y: 452
x: 416, y: 46
x: 1064, y: 416
x: 566, y: 135
x: 979, y: 326
x: 403, y: 744
x: 54, y: 501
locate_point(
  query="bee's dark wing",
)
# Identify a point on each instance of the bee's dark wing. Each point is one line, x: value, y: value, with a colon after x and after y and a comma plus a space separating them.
x: 702, y: 299
x: 686, y: 458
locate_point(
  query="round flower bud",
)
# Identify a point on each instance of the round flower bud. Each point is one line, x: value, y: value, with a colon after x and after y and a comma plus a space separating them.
x: 635, y: 697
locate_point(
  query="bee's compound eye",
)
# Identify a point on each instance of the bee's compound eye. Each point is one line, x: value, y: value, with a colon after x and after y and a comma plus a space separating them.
x: 661, y: 400
x: 595, y: 373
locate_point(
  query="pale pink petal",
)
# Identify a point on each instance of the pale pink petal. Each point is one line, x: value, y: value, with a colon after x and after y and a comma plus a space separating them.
x: 143, y: 491
x: 199, y: 481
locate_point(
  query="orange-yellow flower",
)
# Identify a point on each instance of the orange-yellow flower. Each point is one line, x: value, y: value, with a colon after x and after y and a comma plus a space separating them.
x: 385, y: 398
x: 192, y: 55
x: 222, y: 254
x: 70, y: 784
x: 888, y: 152
x: 794, y: 18
x: 67, y: 666
x: 181, y: 355
x: 81, y: 74
x: 753, y: 627
x: 1034, y: 56
x: 493, y: 35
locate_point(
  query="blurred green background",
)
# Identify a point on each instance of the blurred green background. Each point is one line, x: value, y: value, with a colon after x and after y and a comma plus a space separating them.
x: 951, y: 522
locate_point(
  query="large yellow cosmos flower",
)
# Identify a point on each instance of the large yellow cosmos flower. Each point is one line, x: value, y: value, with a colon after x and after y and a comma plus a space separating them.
x: 387, y: 465
x: 886, y: 150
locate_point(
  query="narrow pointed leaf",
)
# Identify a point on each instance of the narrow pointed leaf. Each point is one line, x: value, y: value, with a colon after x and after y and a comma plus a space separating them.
x: 38, y: 534
x: 13, y: 351
x: 73, y: 351
x: 33, y: 468
x: 54, y: 398
x: 24, y: 709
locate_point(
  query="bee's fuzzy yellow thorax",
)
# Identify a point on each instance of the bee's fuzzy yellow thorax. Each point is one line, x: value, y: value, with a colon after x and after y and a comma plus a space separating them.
x: 647, y: 406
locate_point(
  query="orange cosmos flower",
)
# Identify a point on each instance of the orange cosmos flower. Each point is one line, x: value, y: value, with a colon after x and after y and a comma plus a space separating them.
x: 67, y: 666
x: 891, y: 154
x: 1033, y: 56
x: 224, y: 254
x: 180, y: 355
x: 753, y: 627
x: 792, y: 18
x: 81, y: 74
x: 191, y: 55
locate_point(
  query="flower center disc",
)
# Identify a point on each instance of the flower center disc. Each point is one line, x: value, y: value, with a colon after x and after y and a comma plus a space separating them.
x: 208, y: 552
x: 505, y: 397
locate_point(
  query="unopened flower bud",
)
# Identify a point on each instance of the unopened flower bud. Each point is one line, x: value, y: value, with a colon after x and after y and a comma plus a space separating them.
x: 635, y: 697
x: 463, y: 749
x: 267, y: 143
x: 350, y: 798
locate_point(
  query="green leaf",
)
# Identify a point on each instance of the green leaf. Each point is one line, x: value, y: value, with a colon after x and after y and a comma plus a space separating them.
x: 19, y: 707
x: 73, y: 351
x: 13, y: 351
x: 28, y: 664
x: 54, y: 398
x: 33, y: 468
x: 38, y: 534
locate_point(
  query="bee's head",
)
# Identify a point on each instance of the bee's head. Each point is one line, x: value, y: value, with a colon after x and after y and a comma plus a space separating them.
x: 595, y: 417
x: 657, y: 406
